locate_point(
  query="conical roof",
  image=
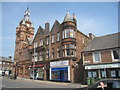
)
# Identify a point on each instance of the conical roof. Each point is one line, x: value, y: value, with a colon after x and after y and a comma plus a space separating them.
x: 67, y: 17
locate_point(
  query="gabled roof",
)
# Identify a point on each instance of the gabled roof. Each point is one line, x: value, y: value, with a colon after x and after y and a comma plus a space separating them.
x: 40, y: 31
x: 55, y: 25
x: 67, y: 17
x: 104, y: 42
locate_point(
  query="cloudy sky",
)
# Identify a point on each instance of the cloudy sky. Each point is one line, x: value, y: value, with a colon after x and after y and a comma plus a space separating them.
x: 99, y: 18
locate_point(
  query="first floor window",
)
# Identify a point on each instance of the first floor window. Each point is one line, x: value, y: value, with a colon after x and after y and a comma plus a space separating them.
x: 116, y: 54
x: 96, y: 56
x: 70, y: 52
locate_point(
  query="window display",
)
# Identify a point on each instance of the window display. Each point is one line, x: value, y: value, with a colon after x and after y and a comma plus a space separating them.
x: 89, y: 74
x: 113, y: 74
x: 103, y: 73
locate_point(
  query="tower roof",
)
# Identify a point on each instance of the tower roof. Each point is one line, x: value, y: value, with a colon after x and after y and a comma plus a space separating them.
x: 67, y: 17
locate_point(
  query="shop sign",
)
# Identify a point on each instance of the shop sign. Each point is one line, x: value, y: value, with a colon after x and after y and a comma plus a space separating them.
x: 59, y: 63
x: 115, y: 65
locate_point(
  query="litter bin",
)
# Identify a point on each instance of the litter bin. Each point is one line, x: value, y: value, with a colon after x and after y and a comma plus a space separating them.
x: 88, y: 81
x: 92, y: 80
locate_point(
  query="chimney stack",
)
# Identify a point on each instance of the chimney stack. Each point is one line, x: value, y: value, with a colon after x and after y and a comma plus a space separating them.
x: 91, y: 36
x: 47, y: 27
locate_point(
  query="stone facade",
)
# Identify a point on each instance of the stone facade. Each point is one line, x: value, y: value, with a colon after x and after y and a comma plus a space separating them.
x: 24, y: 32
x: 63, y: 43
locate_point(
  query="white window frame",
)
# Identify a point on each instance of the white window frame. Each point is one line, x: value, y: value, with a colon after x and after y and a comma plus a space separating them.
x: 93, y: 54
x: 112, y: 56
x: 35, y: 44
x: 58, y: 36
x: 53, y: 39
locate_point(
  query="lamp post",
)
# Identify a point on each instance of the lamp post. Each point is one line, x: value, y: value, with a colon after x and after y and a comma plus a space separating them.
x: 34, y: 62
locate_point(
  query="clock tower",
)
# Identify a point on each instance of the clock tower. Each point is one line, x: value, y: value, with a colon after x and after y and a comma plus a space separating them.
x: 24, y: 33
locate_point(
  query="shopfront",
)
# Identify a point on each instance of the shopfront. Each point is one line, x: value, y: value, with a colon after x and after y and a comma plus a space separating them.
x: 38, y: 71
x: 103, y: 70
x: 60, y: 71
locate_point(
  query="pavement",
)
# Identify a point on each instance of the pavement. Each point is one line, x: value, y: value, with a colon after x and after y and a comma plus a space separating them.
x: 30, y: 83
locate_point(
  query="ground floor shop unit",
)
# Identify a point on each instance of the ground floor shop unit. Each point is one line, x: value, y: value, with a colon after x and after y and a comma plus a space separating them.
x: 39, y: 72
x: 111, y: 70
x: 64, y: 71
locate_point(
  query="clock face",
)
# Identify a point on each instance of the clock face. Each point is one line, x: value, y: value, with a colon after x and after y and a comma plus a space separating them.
x: 27, y: 25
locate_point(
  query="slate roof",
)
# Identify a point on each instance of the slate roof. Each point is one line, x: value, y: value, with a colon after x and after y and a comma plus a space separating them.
x: 104, y: 42
x: 67, y: 17
x: 5, y: 59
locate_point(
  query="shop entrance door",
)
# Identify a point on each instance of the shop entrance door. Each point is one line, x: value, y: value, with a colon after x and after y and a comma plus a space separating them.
x: 62, y: 75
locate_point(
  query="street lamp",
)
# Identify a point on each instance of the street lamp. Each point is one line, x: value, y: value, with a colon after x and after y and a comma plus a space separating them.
x: 34, y: 62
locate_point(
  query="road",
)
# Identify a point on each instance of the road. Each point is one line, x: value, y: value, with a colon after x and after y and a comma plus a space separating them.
x: 27, y: 83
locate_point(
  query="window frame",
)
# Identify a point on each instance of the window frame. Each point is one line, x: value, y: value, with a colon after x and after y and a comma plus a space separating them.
x: 58, y: 36
x: 53, y: 39
x: 93, y: 54
x: 112, y: 54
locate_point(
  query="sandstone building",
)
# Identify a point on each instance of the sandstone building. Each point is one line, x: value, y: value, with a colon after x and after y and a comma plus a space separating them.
x: 53, y: 54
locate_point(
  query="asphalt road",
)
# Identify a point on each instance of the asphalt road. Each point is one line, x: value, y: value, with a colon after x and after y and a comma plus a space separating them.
x: 10, y: 83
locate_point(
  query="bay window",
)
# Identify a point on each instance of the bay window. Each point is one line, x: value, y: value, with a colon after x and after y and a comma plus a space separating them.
x: 70, y: 50
x: 68, y: 33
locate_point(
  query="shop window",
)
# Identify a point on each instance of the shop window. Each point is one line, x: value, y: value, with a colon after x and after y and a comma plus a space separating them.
x: 58, y: 36
x: 96, y: 56
x: 113, y: 74
x: 94, y: 74
x: 52, y: 38
x: 52, y: 52
x: 89, y: 74
x: 116, y: 54
x: 41, y: 42
x: 103, y: 73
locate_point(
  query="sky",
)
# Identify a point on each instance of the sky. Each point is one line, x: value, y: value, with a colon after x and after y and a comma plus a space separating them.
x: 99, y: 18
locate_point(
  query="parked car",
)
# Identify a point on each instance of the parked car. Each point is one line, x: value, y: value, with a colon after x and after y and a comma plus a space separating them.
x: 105, y: 84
